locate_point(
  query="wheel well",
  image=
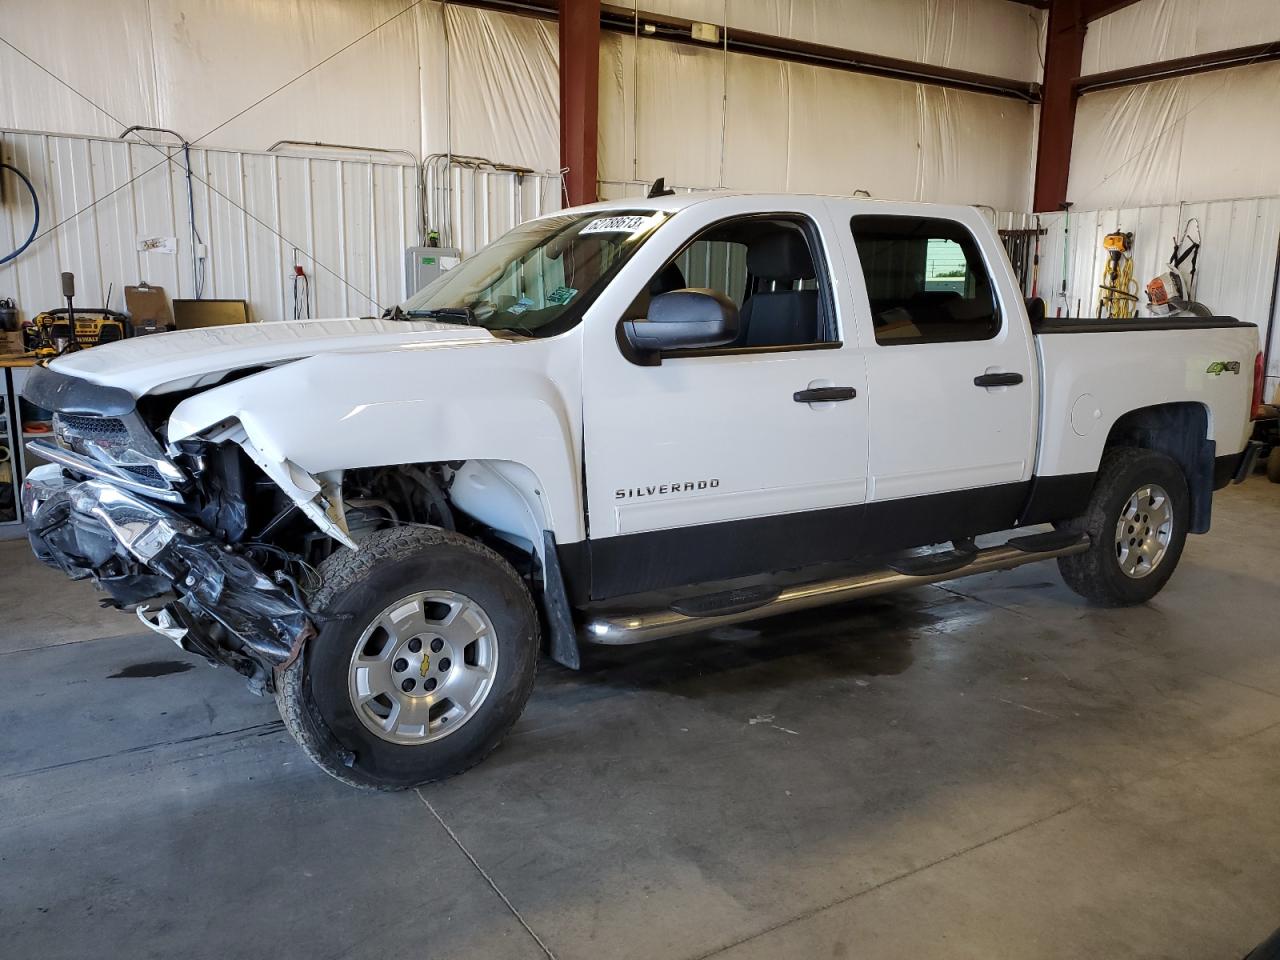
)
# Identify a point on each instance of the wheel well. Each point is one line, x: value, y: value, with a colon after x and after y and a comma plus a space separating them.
x: 415, y: 493
x: 1181, y: 432
x: 495, y: 502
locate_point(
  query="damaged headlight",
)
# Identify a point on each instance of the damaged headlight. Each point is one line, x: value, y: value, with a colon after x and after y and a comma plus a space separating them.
x: 121, y: 442
x: 140, y: 527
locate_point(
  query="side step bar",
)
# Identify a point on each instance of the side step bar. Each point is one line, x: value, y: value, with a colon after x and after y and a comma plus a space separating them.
x: 642, y: 626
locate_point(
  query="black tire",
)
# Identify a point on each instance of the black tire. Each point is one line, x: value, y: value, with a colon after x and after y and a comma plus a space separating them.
x: 1096, y: 574
x: 1273, y: 465
x: 357, y: 585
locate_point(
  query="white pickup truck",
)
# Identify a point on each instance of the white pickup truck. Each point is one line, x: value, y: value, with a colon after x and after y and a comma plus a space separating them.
x: 620, y: 422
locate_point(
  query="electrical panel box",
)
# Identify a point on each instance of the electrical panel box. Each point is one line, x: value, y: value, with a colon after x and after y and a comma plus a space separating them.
x: 424, y: 264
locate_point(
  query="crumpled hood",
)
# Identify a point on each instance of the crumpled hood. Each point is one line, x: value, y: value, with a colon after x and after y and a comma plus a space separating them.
x: 187, y: 358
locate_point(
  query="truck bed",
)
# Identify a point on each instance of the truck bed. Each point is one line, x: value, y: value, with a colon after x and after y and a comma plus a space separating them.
x: 1204, y: 363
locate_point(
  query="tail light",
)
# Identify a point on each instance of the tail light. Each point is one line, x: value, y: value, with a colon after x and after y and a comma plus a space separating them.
x: 1259, y: 380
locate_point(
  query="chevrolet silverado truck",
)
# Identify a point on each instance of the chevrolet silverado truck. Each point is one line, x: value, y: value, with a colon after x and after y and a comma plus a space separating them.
x: 620, y: 422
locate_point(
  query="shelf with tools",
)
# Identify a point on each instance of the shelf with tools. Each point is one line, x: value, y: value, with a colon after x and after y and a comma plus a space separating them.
x: 10, y: 457
x: 15, y: 460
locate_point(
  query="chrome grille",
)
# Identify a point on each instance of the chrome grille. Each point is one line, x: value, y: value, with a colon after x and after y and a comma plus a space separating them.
x: 149, y: 474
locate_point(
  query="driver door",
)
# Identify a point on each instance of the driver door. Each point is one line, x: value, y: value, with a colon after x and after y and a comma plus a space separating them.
x: 716, y: 463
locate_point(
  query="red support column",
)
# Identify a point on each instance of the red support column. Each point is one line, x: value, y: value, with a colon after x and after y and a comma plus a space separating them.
x: 1064, y: 51
x: 1064, y: 48
x: 579, y: 96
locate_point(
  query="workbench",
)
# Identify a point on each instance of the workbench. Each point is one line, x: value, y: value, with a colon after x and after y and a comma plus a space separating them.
x: 15, y: 460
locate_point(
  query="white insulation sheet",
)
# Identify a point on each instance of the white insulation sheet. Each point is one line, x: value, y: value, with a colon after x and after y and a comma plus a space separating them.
x: 665, y: 107
x: 374, y: 73
x: 1209, y: 136
x: 1153, y: 30
x: 435, y: 78
x: 1203, y: 137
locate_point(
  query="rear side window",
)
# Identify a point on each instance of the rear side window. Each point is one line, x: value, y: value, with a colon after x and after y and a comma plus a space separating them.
x: 925, y: 279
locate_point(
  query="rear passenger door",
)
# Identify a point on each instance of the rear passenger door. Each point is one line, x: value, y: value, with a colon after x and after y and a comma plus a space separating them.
x: 952, y: 391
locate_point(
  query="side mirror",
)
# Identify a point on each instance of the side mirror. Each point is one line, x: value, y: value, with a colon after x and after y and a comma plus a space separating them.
x: 682, y: 319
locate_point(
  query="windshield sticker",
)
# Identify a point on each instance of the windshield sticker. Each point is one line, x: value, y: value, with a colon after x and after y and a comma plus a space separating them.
x: 561, y: 295
x: 520, y: 306
x: 630, y: 225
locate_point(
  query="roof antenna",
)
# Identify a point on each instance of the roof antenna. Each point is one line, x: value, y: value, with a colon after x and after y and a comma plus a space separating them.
x: 660, y: 189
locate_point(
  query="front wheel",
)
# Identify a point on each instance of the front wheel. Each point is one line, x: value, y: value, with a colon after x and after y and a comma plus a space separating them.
x: 425, y: 658
x: 1137, y: 525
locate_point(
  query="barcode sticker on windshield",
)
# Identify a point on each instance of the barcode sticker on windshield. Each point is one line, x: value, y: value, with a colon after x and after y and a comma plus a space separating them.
x: 631, y: 224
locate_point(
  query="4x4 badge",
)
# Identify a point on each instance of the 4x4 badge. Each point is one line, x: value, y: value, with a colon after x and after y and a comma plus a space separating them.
x: 1219, y: 367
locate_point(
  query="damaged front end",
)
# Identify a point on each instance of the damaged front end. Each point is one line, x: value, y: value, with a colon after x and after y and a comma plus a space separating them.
x: 136, y: 548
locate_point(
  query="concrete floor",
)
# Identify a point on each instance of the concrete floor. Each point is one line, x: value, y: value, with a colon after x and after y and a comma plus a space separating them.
x: 983, y: 769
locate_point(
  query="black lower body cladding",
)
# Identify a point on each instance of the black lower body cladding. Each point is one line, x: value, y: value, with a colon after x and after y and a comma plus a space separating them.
x: 137, y: 549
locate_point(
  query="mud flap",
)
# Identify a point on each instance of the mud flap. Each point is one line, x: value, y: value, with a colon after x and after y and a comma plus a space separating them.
x: 563, y: 641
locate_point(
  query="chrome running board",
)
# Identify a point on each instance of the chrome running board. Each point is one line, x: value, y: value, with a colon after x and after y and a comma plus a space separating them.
x: 640, y: 626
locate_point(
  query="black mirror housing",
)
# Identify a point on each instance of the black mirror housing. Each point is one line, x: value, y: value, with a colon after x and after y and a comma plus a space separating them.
x: 681, y: 319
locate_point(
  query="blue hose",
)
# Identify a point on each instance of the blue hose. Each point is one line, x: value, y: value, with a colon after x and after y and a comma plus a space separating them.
x: 35, y: 224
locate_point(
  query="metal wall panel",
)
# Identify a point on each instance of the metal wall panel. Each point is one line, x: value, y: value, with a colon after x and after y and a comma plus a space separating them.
x: 348, y: 220
x: 472, y: 202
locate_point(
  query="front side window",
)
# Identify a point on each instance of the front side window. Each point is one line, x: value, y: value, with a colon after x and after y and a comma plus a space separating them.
x: 770, y: 266
x: 538, y: 278
x: 926, y: 280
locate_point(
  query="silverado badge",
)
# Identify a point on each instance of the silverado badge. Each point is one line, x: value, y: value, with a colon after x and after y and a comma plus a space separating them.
x: 663, y: 489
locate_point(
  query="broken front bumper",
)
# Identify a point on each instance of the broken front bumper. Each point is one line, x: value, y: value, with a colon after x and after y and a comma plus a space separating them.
x: 136, y: 549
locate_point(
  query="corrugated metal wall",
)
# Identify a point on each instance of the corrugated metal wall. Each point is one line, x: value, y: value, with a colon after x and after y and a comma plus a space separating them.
x: 349, y: 221
x: 1235, y: 274
x: 473, y: 202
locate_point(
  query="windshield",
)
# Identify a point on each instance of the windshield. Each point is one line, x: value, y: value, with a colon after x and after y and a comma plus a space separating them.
x: 536, y: 279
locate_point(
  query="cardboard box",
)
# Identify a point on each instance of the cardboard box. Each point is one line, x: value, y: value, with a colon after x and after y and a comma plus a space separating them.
x: 11, y: 341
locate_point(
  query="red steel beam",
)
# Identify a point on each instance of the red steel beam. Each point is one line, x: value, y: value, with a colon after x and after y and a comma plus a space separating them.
x: 1179, y: 67
x: 1064, y: 50
x: 1093, y: 9
x: 579, y: 97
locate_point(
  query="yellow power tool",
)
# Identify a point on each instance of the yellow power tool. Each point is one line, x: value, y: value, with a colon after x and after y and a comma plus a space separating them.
x: 50, y: 333
x: 55, y: 332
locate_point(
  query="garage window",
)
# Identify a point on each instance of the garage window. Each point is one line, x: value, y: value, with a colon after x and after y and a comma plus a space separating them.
x: 926, y: 280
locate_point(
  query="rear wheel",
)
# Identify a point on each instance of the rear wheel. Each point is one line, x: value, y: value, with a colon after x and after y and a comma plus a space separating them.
x: 1137, y: 525
x: 424, y: 660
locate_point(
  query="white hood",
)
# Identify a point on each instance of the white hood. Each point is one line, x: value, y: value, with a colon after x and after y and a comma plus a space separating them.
x: 187, y: 358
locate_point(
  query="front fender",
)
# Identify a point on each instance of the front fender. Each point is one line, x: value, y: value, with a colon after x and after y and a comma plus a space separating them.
x: 496, y: 401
